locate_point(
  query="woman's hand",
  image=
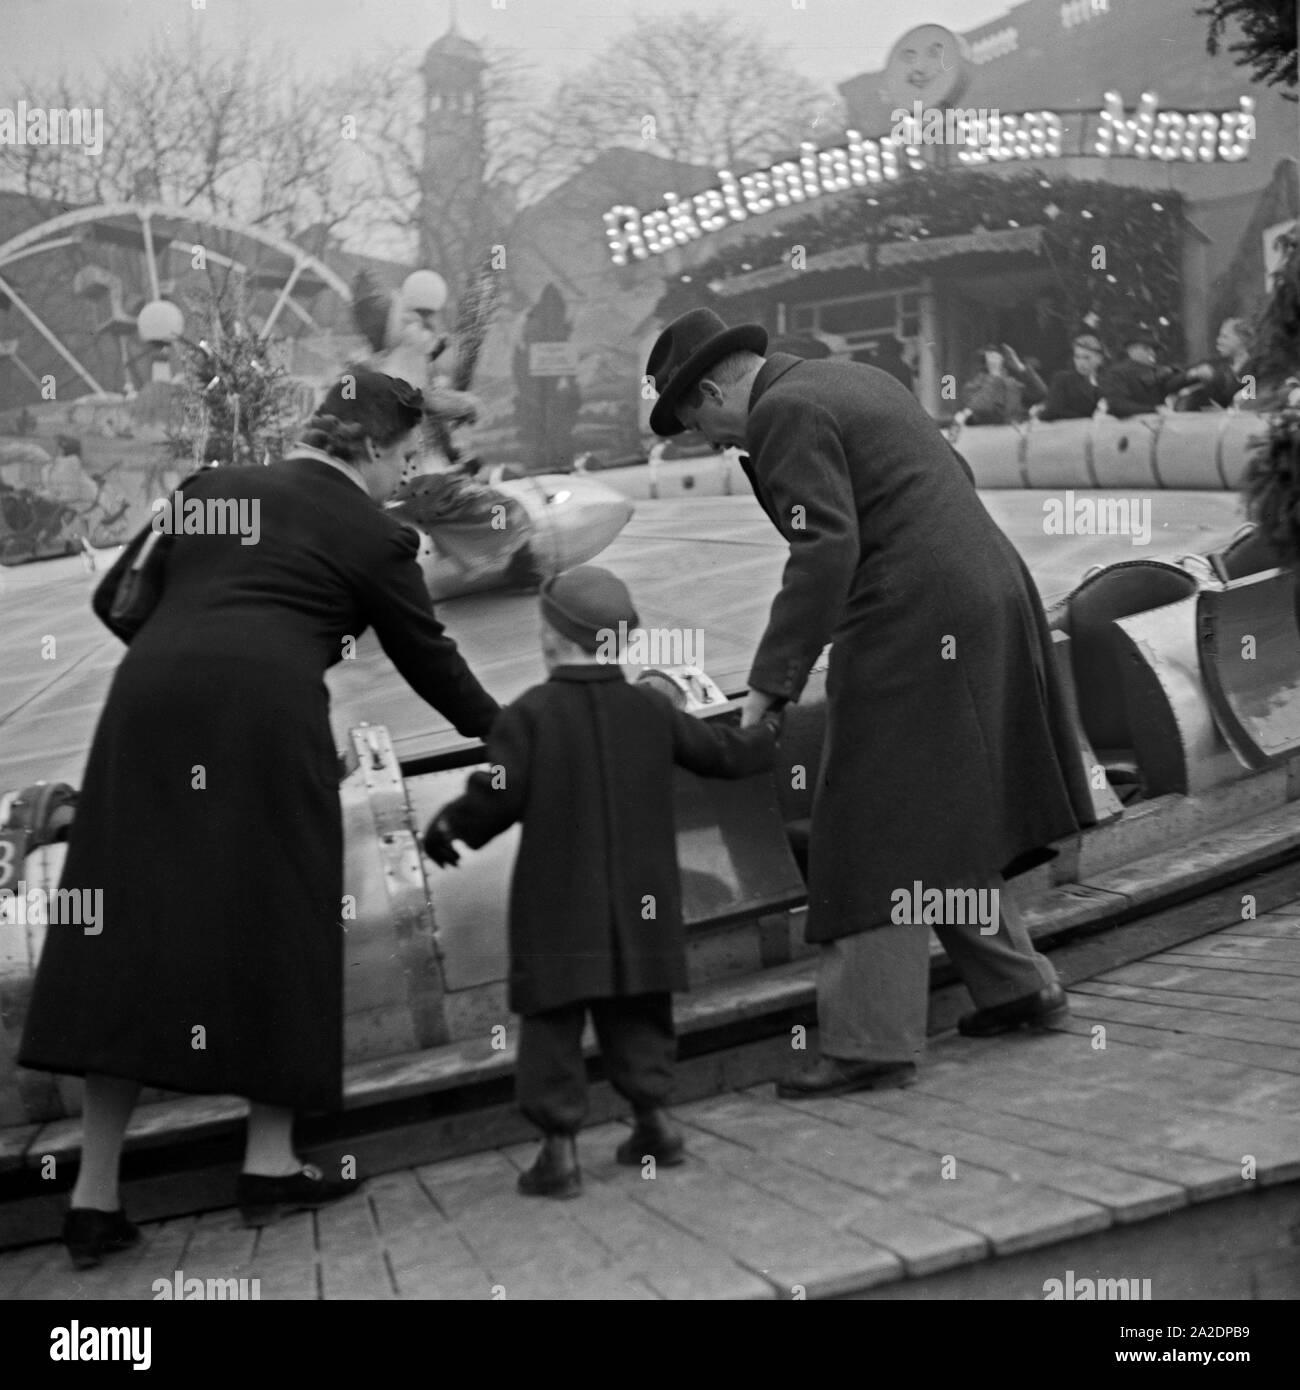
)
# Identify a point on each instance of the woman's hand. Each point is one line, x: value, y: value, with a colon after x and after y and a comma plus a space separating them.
x: 438, y: 844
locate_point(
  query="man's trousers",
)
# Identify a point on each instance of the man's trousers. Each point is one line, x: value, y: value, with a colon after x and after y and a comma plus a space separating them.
x: 873, y: 989
x: 637, y: 1045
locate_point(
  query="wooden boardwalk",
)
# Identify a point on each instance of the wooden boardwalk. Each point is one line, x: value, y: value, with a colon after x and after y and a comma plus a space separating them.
x: 1028, y: 1144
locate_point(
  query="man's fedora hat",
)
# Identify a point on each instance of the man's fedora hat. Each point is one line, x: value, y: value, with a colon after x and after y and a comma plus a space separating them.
x: 683, y: 354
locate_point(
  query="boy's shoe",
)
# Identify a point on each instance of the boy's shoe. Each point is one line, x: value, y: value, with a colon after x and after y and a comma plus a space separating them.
x: 550, y: 1176
x: 264, y: 1200
x: 652, y: 1137
x: 89, y: 1235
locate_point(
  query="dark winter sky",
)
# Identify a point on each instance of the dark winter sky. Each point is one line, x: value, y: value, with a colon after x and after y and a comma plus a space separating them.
x: 829, y: 40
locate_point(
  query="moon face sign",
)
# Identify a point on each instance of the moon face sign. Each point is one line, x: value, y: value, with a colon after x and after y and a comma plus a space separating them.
x: 926, y: 65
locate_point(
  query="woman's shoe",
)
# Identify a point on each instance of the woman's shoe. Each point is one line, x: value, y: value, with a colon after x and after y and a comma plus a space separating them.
x: 89, y: 1235
x: 264, y: 1200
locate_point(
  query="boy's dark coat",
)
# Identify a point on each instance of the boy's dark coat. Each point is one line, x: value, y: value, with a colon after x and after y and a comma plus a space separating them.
x: 947, y: 742
x: 585, y: 762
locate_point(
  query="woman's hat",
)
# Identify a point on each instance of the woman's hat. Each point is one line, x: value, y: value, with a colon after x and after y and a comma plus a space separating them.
x: 584, y: 602
x: 683, y: 354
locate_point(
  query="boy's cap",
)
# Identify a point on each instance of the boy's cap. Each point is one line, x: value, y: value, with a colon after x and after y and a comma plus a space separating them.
x: 582, y: 602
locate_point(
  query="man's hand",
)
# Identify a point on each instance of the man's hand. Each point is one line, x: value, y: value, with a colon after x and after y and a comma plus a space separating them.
x: 438, y: 843
x: 757, y: 704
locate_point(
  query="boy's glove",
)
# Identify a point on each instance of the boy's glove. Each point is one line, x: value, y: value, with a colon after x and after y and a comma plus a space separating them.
x: 438, y: 843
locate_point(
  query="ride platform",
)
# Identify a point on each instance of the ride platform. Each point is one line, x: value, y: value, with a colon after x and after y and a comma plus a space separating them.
x: 1153, y: 1136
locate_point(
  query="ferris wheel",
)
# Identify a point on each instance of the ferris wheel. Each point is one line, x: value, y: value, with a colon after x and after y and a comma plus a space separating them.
x: 120, y: 253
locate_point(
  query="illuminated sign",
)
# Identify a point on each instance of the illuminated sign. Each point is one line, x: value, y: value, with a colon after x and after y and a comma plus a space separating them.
x: 1080, y: 11
x: 996, y: 45
x: 1203, y: 136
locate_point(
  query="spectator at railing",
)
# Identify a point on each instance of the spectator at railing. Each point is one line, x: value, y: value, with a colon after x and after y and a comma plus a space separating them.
x: 1073, y: 394
x: 1002, y: 391
x: 1214, y: 384
x: 1138, y: 385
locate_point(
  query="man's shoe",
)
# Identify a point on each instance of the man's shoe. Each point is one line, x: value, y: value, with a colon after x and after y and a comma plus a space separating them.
x: 833, y: 1076
x: 264, y: 1200
x: 550, y: 1178
x: 652, y: 1137
x: 1049, y: 1005
x: 89, y: 1235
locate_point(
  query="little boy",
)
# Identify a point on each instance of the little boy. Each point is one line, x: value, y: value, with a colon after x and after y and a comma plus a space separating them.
x: 585, y: 762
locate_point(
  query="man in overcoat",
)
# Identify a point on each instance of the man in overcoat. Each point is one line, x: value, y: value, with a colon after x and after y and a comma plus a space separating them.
x: 946, y: 741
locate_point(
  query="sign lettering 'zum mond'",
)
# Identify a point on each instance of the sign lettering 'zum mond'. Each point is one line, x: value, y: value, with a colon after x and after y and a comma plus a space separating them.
x: 1201, y: 136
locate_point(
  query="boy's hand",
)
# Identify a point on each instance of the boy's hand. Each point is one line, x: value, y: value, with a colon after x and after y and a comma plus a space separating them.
x: 438, y: 843
x: 757, y: 703
x: 774, y: 719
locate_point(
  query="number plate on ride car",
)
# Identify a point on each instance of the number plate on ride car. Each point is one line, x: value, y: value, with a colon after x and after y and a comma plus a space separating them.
x: 13, y: 848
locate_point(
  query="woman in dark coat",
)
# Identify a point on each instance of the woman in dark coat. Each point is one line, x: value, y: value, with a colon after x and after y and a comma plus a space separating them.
x: 209, y: 815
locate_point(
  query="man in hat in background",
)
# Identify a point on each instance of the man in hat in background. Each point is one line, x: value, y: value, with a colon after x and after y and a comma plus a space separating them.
x: 946, y: 738
x: 1138, y: 385
x: 1073, y: 393
x: 585, y: 762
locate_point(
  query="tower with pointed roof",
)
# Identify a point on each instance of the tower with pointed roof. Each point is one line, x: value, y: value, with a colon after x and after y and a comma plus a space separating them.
x: 453, y: 205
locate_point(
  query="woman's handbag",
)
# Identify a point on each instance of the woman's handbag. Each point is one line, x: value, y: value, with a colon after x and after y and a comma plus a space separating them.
x: 131, y: 589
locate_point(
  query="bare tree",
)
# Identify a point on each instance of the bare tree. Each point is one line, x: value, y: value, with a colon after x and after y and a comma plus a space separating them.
x: 450, y: 225
x: 238, y: 134
x: 695, y: 87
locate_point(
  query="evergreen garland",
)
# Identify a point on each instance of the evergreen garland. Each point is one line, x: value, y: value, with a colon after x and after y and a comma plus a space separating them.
x: 1277, y: 334
x: 1138, y: 230
x: 1273, y: 482
x: 1268, y: 47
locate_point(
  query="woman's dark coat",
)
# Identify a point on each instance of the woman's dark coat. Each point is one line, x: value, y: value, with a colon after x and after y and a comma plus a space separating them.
x: 585, y: 761
x: 209, y: 813
x: 947, y: 741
